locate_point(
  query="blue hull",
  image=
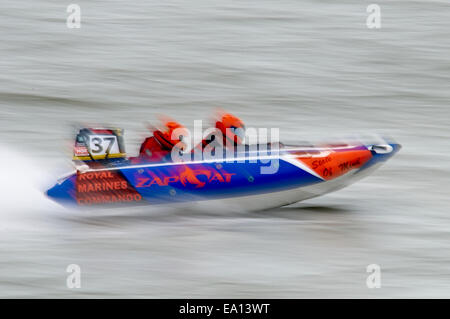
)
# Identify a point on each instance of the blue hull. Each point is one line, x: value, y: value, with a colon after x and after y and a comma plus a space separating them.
x: 164, y: 183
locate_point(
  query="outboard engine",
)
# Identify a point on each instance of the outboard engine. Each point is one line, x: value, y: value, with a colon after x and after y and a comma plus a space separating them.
x: 99, y: 145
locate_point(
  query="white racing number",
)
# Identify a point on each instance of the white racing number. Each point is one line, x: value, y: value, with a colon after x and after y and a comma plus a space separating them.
x: 103, y: 145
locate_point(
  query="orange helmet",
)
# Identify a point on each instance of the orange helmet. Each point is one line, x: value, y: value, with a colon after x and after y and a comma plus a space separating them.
x: 232, y: 128
x: 172, y: 134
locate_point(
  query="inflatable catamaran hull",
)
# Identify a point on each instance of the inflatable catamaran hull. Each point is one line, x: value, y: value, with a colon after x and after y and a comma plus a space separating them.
x: 291, y: 175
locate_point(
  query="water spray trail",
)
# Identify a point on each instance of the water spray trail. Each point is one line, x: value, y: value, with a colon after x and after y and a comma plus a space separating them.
x: 22, y: 182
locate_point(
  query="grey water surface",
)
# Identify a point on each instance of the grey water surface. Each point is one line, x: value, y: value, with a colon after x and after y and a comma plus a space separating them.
x: 311, y: 68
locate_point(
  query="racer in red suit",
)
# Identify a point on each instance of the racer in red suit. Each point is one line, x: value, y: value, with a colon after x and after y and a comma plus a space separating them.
x: 159, y: 146
x: 232, y: 130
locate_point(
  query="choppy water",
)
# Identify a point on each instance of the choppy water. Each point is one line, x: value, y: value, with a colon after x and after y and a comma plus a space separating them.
x: 312, y: 68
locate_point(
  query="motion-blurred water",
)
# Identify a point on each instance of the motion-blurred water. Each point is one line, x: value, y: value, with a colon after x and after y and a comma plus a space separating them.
x: 312, y: 68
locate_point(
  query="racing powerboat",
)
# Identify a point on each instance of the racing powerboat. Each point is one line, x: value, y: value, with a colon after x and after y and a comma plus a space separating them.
x: 256, y: 178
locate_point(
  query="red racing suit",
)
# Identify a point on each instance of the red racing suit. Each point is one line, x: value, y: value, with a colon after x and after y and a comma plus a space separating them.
x: 154, y: 149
